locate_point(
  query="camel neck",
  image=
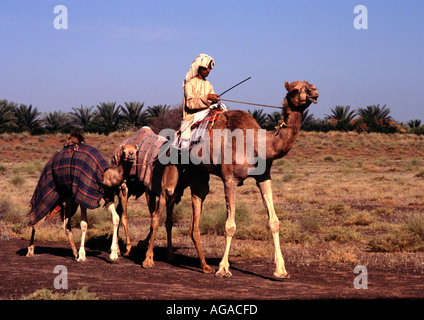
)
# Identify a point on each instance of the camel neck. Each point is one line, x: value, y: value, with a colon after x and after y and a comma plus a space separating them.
x: 281, y: 140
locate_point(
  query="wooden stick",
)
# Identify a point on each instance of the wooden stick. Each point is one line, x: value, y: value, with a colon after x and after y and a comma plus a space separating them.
x: 252, y: 104
x: 235, y: 86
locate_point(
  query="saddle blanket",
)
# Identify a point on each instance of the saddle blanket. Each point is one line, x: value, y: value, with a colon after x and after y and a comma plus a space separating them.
x: 76, y: 171
x: 202, y: 123
x: 147, y: 165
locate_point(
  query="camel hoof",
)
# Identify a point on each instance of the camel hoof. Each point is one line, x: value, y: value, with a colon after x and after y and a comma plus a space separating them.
x: 30, y: 251
x: 127, y: 254
x: 223, y: 273
x: 113, y: 257
x: 81, y: 258
x: 281, y: 275
x: 208, y: 269
x: 148, y: 263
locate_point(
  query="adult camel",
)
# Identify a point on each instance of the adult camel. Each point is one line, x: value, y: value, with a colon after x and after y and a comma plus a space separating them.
x: 213, y: 157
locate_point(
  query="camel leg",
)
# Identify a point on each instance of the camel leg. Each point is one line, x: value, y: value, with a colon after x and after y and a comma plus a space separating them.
x: 151, y: 204
x: 274, y: 224
x: 169, y: 223
x: 154, y: 226
x: 115, y: 218
x: 199, y: 189
x: 230, y: 227
x: 169, y: 184
x: 31, y: 244
x: 122, y: 208
x: 84, y: 225
x: 70, y: 209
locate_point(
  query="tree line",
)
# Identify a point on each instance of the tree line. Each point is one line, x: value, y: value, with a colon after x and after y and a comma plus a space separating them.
x: 372, y: 118
x: 104, y: 118
x: 107, y: 117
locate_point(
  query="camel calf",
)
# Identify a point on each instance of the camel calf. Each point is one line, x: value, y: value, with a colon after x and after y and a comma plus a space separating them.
x: 78, y: 175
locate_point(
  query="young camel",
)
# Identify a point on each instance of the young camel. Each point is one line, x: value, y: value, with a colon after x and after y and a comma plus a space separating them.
x: 171, y: 183
x: 111, y: 178
x: 278, y: 143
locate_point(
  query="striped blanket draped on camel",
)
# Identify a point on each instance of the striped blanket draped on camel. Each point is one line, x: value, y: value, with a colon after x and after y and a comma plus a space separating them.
x: 77, y: 171
x: 147, y: 165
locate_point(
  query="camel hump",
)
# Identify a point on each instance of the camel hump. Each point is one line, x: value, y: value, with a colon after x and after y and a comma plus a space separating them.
x: 236, y: 119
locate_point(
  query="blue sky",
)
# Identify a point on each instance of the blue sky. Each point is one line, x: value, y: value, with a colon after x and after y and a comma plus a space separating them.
x: 141, y: 50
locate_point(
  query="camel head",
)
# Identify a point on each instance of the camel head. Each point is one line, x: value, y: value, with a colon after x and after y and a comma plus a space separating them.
x: 129, y: 153
x: 74, y: 138
x: 300, y: 95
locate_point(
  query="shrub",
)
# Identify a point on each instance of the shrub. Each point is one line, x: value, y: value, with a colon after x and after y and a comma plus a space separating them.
x: 291, y: 233
x: 213, y: 221
x: 46, y: 294
x: 341, y: 234
x: 415, y: 224
x: 398, y: 241
x: 408, y: 236
x: 17, y: 180
x: 359, y: 219
x: 34, y: 167
x: 338, y: 208
x: 329, y: 159
x: 312, y: 223
x: 11, y: 215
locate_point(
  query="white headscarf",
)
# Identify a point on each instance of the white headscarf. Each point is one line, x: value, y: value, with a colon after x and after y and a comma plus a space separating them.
x: 202, y: 60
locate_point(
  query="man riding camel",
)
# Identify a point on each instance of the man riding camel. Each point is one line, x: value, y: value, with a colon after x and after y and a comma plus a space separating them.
x: 198, y: 94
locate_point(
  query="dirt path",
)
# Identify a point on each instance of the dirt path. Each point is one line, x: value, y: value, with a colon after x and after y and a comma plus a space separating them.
x: 126, y: 279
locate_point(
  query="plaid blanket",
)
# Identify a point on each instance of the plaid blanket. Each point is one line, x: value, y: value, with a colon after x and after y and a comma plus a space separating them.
x: 76, y: 171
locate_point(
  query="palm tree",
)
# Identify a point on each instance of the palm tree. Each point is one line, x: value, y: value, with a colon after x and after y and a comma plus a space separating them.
x: 156, y: 111
x: 133, y: 114
x: 375, y: 119
x: 414, y: 124
x: 342, y: 117
x: 307, y: 119
x: 272, y: 120
x: 26, y: 117
x: 6, y: 112
x: 82, y: 117
x: 374, y: 113
x: 108, y: 115
x: 341, y: 113
x: 259, y: 116
x: 55, y: 120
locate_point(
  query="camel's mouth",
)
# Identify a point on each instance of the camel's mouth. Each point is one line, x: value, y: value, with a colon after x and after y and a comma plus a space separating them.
x: 130, y: 158
x: 313, y: 99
